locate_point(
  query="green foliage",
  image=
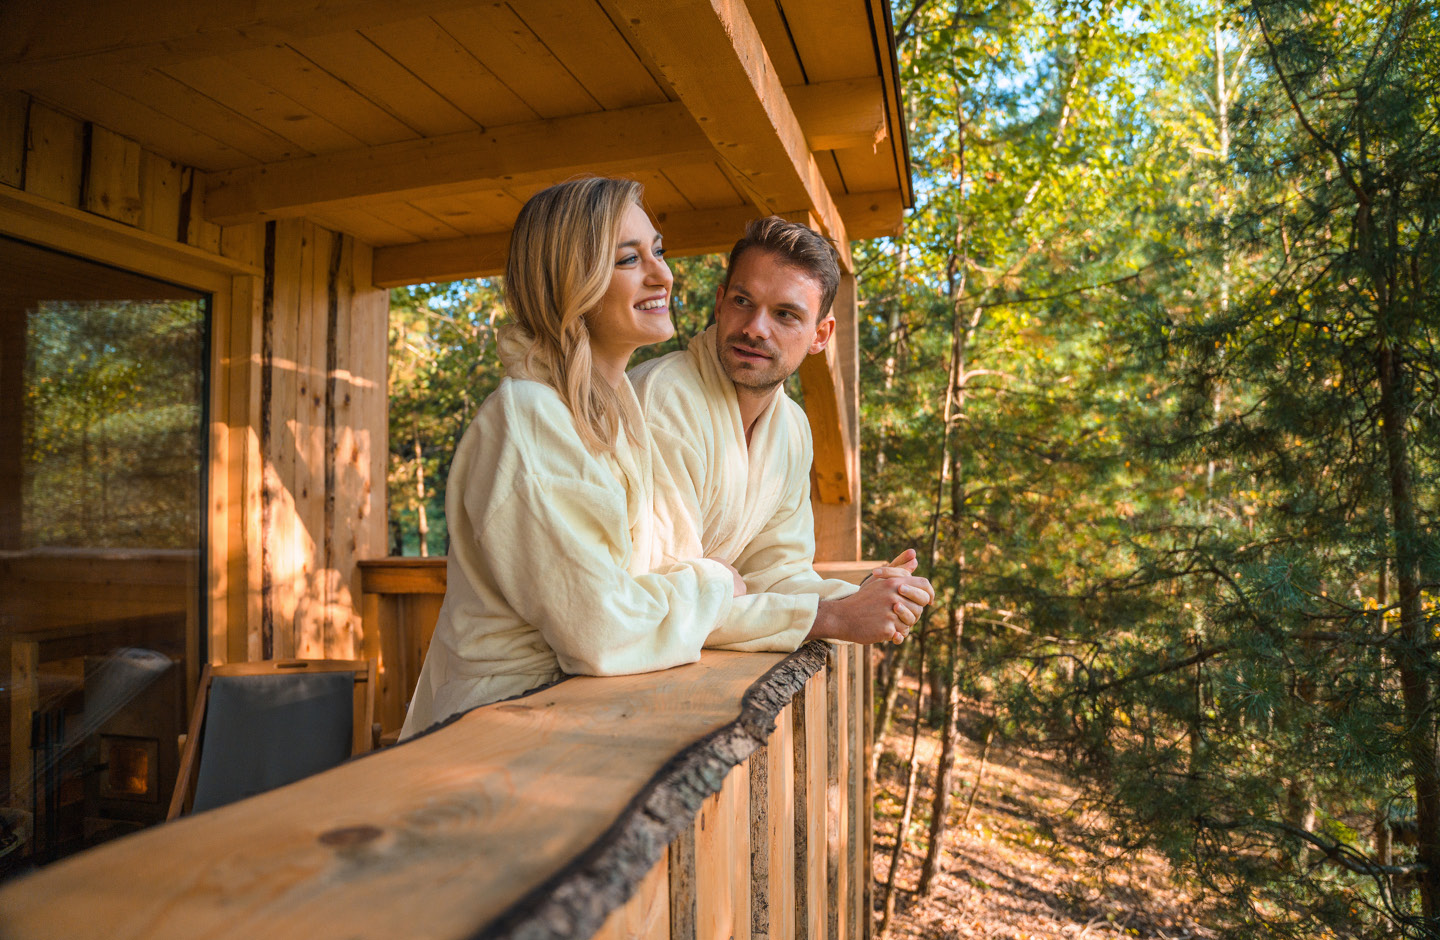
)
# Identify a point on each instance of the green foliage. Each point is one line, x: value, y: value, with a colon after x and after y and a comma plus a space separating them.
x: 1196, y: 316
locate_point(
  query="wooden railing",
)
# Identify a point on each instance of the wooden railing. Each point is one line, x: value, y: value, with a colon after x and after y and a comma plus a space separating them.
x: 727, y: 798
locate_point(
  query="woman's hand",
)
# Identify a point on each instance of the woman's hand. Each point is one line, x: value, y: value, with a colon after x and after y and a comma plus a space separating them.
x: 739, y: 581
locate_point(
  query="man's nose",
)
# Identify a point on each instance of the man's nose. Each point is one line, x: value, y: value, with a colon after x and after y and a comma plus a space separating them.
x: 756, y: 324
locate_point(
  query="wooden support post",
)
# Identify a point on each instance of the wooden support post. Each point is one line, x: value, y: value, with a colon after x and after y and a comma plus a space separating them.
x: 837, y: 523
x: 837, y: 800
x: 859, y: 866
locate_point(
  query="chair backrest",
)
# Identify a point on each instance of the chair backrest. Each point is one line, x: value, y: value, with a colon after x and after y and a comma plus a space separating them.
x: 262, y: 725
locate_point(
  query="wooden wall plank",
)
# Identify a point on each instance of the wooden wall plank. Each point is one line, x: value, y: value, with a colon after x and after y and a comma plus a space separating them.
x: 647, y: 915
x: 161, y: 183
x: 54, y: 155
x: 309, y: 433
x: 244, y: 140
x: 24, y: 679
x: 867, y: 851
x: 363, y: 450
x: 14, y: 115
x: 283, y: 559
x: 112, y: 178
x: 722, y: 860
x: 837, y: 802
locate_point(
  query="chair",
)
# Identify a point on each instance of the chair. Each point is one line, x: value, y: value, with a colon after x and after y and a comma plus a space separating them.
x: 261, y: 725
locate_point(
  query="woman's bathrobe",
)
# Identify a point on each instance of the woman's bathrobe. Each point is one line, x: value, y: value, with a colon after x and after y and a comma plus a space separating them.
x: 751, y: 501
x: 561, y: 562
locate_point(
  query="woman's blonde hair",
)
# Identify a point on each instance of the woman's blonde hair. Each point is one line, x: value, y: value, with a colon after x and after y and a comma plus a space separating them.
x: 562, y: 255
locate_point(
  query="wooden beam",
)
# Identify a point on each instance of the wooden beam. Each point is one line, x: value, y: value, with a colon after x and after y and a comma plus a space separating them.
x: 536, y: 152
x: 840, y: 115
x: 711, y: 54
x: 98, y: 36
x: 867, y: 215
x: 686, y: 233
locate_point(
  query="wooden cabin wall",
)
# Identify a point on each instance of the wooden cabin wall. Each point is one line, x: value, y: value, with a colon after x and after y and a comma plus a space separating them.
x: 297, y: 385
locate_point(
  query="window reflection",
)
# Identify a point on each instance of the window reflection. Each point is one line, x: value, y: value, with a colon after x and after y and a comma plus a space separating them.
x: 102, y: 458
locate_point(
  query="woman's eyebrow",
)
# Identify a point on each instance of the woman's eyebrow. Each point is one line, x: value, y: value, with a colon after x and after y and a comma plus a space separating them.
x: 636, y: 243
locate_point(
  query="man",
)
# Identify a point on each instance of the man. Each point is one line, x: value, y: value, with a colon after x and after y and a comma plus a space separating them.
x: 739, y: 450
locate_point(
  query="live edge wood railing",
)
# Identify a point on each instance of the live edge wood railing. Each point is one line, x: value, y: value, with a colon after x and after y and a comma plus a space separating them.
x: 723, y: 799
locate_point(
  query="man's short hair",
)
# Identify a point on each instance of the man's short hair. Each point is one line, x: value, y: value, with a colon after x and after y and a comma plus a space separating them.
x: 795, y: 245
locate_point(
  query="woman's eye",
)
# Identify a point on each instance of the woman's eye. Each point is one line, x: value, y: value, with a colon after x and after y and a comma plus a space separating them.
x: 628, y: 259
x: 659, y: 252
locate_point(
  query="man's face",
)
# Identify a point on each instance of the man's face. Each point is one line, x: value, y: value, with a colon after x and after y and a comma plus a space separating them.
x: 768, y: 320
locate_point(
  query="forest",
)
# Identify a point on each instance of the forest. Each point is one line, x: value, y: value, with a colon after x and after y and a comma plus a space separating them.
x: 1151, y: 380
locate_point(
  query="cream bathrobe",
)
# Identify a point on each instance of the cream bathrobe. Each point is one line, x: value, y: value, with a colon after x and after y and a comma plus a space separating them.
x: 557, y: 562
x: 752, y: 501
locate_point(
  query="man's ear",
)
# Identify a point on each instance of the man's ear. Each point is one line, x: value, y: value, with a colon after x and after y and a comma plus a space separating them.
x: 823, y: 331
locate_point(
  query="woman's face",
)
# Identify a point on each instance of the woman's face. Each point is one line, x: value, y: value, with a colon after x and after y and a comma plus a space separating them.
x: 635, y: 310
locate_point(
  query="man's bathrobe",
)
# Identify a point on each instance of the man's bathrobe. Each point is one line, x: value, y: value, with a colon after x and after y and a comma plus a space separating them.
x: 561, y: 562
x: 752, y: 502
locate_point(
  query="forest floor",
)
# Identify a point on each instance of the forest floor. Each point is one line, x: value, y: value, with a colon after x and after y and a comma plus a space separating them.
x: 1031, y: 863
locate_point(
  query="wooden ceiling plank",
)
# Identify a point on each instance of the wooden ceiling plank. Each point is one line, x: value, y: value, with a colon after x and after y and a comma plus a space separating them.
x: 587, y: 44
x: 661, y: 194
x: 832, y: 38
x: 868, y: 171
x: 876, y: 214
x: 776, y: 36
x: 355, y: 60
x: 692, y: 232
x: 440, y: 61
x: 151, y: 128
x: 713, y: 57
x: 301, y: 80
x: 473, y: 213
x: 417, y: 222
x: 704, y: 186
x: 365, y: 226
x: 183, y: 104
x: 221, y: 81
x: 507, y: 47
x: 535, y: 153
x: 100, y: 35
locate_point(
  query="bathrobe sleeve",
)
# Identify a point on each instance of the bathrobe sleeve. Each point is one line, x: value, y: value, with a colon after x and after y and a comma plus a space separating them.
x: 780, y: 559
x: 556, y: 543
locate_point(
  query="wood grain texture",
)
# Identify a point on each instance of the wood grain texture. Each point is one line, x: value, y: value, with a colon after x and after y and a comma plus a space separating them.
x: 542, y: 151
x: 405, y: 842
x: 681, y: 885
x: 646, y: 916
x: 712, y: 55
x: 14, y: 114
x: 831, y: 387
x: 722, y: 861
x: 837, y: 803
x: 811, y: 891
x: 112, y: 177
x: 54, y: 155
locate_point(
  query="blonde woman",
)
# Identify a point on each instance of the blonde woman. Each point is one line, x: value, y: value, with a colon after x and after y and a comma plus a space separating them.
x: 558, y: 562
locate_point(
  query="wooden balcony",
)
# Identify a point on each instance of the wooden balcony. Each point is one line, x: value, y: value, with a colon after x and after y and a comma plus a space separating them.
x: 726, y: 798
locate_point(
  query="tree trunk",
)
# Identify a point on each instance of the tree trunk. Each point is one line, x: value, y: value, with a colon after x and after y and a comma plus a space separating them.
x: 945, y: 771
x: 902, y: 829
x: 1411, y: 658
x: 889, y: 691
x: 423, y: 525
